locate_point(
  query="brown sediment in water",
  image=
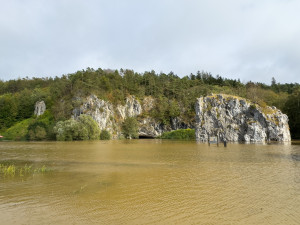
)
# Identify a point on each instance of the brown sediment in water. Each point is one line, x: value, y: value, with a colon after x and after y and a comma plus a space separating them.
x: 152, y: 182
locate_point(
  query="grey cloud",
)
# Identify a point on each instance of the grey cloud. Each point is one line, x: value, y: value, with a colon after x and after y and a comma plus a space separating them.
x: 248, y: 39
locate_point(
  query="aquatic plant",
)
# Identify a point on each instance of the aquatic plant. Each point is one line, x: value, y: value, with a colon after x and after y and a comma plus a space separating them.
x: 8, y: 170
x: 11, y: 170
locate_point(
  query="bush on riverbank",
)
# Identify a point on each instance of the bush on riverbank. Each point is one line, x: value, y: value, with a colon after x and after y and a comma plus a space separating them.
x: 182, y: 134
x: 130, y: 128
x: 105, y: 135
x: 83, y: 129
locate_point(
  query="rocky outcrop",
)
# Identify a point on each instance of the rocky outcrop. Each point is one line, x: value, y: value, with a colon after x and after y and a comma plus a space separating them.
x: 101, y: 111
x: 237, y: 119
x: 131, y: 108
x: 39, y: 108
x: 110, y: 117
x: 150, y: 127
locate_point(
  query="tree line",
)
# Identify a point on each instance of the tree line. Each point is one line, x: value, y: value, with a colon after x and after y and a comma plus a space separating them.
x: 174, y: 95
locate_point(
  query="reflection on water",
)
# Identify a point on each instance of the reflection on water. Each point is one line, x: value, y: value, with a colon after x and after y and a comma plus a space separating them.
x: 152, y: 182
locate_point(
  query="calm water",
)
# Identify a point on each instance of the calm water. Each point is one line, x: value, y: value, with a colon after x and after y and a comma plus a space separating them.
x: 151, y: 182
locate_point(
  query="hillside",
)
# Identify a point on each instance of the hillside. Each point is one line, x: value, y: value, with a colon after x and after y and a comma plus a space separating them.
x: 166, y: 100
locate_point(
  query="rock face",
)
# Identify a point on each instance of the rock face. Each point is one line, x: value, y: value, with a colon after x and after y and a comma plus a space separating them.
x: 101, y: 111
x: 40, y: 108
x: 236, y: 119
x: 131, y: 108
x: 110, y: 117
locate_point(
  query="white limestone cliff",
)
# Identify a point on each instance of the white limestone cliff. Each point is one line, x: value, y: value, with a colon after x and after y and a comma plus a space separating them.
x: 238, y: 120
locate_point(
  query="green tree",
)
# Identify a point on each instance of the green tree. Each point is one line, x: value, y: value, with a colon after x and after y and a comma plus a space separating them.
x: 37, y: 131
x: 91, y: 125
x: 130, y: 128
x: 8, y: 111
x: 85, y: 128
x: 292, y: 108
x: 105, y: 135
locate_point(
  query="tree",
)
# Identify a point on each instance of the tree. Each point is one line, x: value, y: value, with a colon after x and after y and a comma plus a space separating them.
x: 37, y: 131
x: 8, y: 111
x: 292, y: 108
x: 85, y: 128
x: 91, y: 125
x: 105, y: 135
x: 130, y: 128
x: 273, y: 81
x: 274, y: 85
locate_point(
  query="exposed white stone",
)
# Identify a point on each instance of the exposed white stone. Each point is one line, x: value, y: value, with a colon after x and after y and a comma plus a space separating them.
x: 40, y: 108
x: 110, y: 117
x: 133, y: 107
x: 236, y: 119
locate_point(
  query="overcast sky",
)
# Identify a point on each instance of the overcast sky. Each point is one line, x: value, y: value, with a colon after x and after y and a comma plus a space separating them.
x: 246, y: 39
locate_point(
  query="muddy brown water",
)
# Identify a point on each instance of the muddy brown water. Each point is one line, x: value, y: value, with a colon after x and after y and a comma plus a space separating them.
x: 151, y: 182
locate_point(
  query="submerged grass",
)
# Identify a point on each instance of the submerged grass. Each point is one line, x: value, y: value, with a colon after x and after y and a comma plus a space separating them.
x: 10, y: 170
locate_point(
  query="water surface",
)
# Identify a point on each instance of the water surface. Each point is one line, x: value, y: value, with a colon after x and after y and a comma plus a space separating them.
x: 151, y: 182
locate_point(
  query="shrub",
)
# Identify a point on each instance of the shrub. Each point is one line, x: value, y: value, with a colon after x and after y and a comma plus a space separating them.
x: 91, y: 125
x: 252, y: 106
x: 85, y: 128
x: 182, y: 134
x: 37, y: 131
x: 18, y: 132
x: 105, y: 135
x: 130, y: 128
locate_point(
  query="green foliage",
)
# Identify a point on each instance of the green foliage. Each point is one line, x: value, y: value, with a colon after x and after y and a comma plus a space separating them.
x: 292, y: 108
x: 41, y: 128
x: 91, y: 126
x: 182, y: 134
x: 130, y: 128
x: 19, y: 106
x: 174, y: 95
x: 8, y: 111
x: 105, y: 135
x: 19, y: 131
x: 252, y: 106
x: 10, y: 170
x: 37, y: 131
x: 32, y: 129
x: 85, y: 128
x: 165, y: 109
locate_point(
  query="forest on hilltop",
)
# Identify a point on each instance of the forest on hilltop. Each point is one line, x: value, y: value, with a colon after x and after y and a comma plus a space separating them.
x: 17, y: 97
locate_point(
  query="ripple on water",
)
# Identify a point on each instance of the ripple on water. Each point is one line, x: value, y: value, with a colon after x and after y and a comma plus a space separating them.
x: 150, y: 182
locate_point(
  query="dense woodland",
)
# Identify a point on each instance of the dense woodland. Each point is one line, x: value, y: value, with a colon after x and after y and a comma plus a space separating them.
x: 17, y: 97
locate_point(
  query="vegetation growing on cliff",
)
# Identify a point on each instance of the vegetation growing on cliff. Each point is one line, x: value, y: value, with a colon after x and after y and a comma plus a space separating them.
x: 174, y: 95
x: 181, y: 134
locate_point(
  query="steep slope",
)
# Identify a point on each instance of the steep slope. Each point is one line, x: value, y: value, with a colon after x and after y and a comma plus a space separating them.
x: 237, y: 119
x: 110, y: 117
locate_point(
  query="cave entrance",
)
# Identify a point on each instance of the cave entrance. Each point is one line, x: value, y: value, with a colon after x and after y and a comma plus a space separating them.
x: 145, y: 137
